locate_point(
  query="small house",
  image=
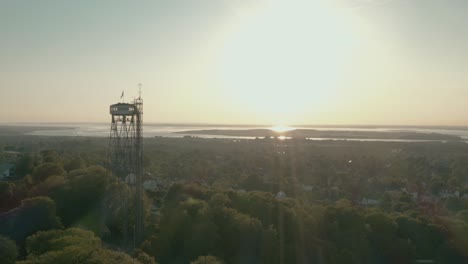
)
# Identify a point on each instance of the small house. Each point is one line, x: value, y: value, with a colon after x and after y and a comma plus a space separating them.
x: 281, y: 195
x: 6, y: 170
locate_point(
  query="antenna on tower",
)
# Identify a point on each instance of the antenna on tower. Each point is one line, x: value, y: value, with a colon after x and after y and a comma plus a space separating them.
x: 139, y: 91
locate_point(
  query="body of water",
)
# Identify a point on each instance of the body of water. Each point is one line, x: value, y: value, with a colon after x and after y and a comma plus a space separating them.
x: 162, y: 130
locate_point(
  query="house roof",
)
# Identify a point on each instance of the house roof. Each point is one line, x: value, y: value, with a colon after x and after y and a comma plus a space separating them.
x: 6, y: 166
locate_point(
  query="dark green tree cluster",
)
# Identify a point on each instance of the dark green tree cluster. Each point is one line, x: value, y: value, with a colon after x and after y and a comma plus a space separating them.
x: 61, y: 192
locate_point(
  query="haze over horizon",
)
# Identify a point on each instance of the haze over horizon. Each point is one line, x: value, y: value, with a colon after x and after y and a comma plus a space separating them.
x: 371, y: 62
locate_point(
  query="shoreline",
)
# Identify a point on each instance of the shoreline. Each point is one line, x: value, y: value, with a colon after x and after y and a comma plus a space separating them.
x: 326, y: 134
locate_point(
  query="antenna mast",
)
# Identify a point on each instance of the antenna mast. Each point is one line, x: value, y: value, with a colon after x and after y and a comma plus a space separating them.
x: 139, y: 91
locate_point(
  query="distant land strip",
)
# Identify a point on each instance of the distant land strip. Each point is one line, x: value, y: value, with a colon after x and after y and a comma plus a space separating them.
x: 7, y: 130
x: 312, y: 133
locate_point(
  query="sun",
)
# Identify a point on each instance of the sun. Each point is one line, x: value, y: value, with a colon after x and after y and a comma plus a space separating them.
x: 281, y: 128
x: 286, y: 61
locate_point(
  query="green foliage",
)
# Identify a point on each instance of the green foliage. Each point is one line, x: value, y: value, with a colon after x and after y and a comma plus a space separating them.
x: 454, y: 248
x: 49, y: 156
x: 48, y: 187
x: 116, y: 209
x: 53, y: 240
x: 45, y: 170
x: 424, y: 237
x: 456, y: 204
x: 75, y: 163
x: 207, y: 260
x: 70, y: 246
x: 463, y: 215
x: 24, y: 165
x: 144, y: 258
x: 183, y: 230
x: 437, y: 186
x: 383, y: 239
x: 35, y: 214
x: 345, y: 227
x: 8, y: 251
x: 71, y: 201
x: 6, y: 193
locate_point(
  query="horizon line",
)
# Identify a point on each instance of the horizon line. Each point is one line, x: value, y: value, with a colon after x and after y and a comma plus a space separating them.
x: 249, y: 124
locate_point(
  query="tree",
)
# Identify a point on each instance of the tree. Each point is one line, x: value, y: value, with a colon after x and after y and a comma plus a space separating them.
x: 45, y: 170
x: 454, y: 248
x: 455, y: 204
x: 240, y: 234
x: 49, y: 155
x: 207, y: 260
x: 117, y: 208
x: 74, y: 164
x: 384, y: 241
x: 145, y: 258
x: 8, y: 251
x: 24, y: 165
x: 423, y: 236
x: 254, y: 182
x: 70, y: 246
x: 447, y: 253
x: 186, y: 232
x: 49, y: 187
x: 345, y: 227
x: 6, y: 194
x: 71, y: 201
x: 437, y: 186
x: 463, y: 215
x: 386, y: 202
x: 33, y: 215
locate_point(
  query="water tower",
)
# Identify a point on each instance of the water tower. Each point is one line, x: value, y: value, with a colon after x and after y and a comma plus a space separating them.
x: 126, y: 154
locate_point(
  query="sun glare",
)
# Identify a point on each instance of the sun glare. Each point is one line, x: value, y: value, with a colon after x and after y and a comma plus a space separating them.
x: 284, y: 61
x: 281, y: 128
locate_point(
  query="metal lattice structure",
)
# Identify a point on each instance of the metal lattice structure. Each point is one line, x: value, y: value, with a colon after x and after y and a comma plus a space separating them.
x: 126, y: 156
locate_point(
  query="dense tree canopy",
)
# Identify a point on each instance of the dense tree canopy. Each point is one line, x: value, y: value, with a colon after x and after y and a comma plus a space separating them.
x: 217, y: 201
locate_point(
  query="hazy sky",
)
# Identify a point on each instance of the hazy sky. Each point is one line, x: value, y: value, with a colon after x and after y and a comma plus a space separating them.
x: 237, y: 61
